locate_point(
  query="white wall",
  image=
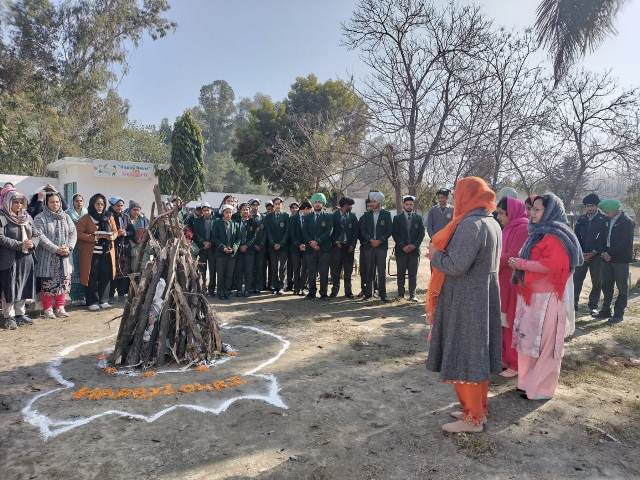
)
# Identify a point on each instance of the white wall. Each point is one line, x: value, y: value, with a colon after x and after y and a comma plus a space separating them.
x: 140, y: 190
x: 28, y: 185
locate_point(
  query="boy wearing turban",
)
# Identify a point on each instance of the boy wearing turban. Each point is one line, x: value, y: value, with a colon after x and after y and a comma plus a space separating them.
x: 316, y: 233
x: 375, y: 226
x: 616, y: 258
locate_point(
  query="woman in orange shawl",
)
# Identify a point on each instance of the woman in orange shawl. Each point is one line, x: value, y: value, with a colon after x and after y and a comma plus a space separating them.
x: 463, y: 302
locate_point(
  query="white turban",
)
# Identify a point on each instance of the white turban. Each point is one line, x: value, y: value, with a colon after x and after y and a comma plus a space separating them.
x: 376, y: 197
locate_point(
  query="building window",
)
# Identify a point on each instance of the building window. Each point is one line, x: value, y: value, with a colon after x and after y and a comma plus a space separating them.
x: 70, y: 189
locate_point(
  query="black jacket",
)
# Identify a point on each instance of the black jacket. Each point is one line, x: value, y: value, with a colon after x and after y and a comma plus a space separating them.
x: 621, y: 249
x: 351, y: 228
x: 592, y: 234
x: 403, y: 236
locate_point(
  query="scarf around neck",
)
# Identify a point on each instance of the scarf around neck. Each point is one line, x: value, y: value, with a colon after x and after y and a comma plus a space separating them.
x: 20, y: 218
x: 553, y: 222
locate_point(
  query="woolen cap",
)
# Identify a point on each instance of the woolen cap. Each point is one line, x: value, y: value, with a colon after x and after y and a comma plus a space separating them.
x: 610, y: 205
x: 591, y: 199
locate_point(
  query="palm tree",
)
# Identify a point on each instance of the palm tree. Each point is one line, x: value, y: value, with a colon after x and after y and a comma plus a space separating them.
x: 570, y: 28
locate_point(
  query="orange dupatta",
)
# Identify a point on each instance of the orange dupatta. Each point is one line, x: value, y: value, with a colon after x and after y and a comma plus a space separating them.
x: 471, y: 193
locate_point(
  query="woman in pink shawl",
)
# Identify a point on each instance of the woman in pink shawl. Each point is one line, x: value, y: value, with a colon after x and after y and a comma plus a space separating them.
x: 512, y: 215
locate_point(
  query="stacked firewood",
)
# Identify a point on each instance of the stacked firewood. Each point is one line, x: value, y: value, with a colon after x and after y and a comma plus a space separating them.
x: 166, y: 317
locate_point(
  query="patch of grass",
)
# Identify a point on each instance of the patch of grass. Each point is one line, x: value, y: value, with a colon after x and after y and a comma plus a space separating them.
x: 475, y: 445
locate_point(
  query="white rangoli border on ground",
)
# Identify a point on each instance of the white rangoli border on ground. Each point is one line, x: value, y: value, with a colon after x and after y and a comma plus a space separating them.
x: 50, y: 428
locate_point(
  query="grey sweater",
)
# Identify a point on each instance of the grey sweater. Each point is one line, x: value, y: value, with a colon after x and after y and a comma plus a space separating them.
x: 46, y: 251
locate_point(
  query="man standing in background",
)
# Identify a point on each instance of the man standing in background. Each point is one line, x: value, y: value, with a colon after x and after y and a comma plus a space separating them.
x: 616, y: 259
x: 343, y: 239
x: 316, y: 233
x: 408, y: 233
x: 203, y: 237
x: 375, y: 231
x: 591, y: 230
x: 297, y: 248
x: 276, y: 225
x: 439, y: 215
x: 294, y: 207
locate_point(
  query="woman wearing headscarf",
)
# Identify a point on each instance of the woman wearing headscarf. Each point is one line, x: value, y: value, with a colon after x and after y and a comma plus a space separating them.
x: 76, y: 212
x: 36, y: 205
x: 542, y: 271
x: 96, y: 233
x: 122, y: 244
x: 512, y: 215
x: 54, y: 267
x: 140, y: 224
x: 463, y: 302
x: 18, y: 240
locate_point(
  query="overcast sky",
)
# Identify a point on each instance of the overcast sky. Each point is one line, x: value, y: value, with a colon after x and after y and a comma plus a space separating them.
x: 262, y: 45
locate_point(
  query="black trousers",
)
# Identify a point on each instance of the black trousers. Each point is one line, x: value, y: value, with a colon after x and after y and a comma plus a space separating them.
x: 225, y: 266
x: 244, y: 271
x: 299, y: 268
x: 259, y: 270
x: 594, y: 267
x: 289, y: 281
x: 208, y: 261
x: 318, y: 263
x: 615, y: 274
x: 376, y: 265
x: 99, y: 279
x: 341, y: 261
x: 120, y: 285
x: 407, y: 264
x: 278, y: 267
x: 268, y: 272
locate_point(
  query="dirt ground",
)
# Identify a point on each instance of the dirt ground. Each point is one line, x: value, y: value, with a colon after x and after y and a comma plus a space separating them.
x: 361, y: 404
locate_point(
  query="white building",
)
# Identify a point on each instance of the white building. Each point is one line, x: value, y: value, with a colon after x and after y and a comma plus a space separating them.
x: 87, y: 176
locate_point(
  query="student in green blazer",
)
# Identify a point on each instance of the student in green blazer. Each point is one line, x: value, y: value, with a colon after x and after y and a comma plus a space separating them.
x: 297, y: 248
x: 259, y: 246
x: 316, y: 233
x: 202, y: 228
x: 343, y: 240
x: 276, y: 224
x: 246, y: 256
x: 226, y: 238
x: 408, y: 233
x: 375, y: 230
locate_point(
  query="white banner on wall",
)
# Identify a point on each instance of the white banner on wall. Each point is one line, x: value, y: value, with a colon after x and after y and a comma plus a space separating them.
x: 110, y: 168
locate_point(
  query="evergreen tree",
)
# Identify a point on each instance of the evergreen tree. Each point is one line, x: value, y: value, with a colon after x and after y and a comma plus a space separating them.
x: 187, y: 172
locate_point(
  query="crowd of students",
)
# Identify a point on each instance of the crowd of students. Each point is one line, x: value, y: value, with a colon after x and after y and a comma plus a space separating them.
x: 246, y: 251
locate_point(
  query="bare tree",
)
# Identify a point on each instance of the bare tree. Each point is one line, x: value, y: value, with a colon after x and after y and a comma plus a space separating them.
x: 423, y: 63
x: 596, y: 125
x: 318, y: 154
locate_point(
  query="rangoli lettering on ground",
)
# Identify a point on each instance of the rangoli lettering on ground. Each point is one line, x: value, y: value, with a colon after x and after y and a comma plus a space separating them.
x: 55, y: 411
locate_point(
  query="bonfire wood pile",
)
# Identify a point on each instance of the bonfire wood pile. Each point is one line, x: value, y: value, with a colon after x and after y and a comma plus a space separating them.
x: 166, y: 317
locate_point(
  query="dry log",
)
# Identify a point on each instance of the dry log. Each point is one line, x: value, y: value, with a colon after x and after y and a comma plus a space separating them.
x: 179, y: 320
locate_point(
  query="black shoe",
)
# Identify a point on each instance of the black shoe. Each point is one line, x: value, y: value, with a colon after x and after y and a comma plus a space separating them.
x: 23, y: 320
x: 296, y: 292
x: 279, y: 292
x: 324, y: 297
x: 361, y: 294
x: 349, y: 295
x: 334, y: 293
x: 366, y: 297
x: 614, y: 320
x: 288, y: 289
x: 9, y: 324
x: 413, y: 299
x: 604, y: 314
x: 310, y: 296
x: 384, y: 300
x: 239, y: 294
x: 593, y: 312
x: 246, y: 293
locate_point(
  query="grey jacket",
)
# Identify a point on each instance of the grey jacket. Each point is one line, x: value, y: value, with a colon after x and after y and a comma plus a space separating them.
x: 436, y: 220
x: 10, y: 245
x: 466, y: 342
x: 46, y: 251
